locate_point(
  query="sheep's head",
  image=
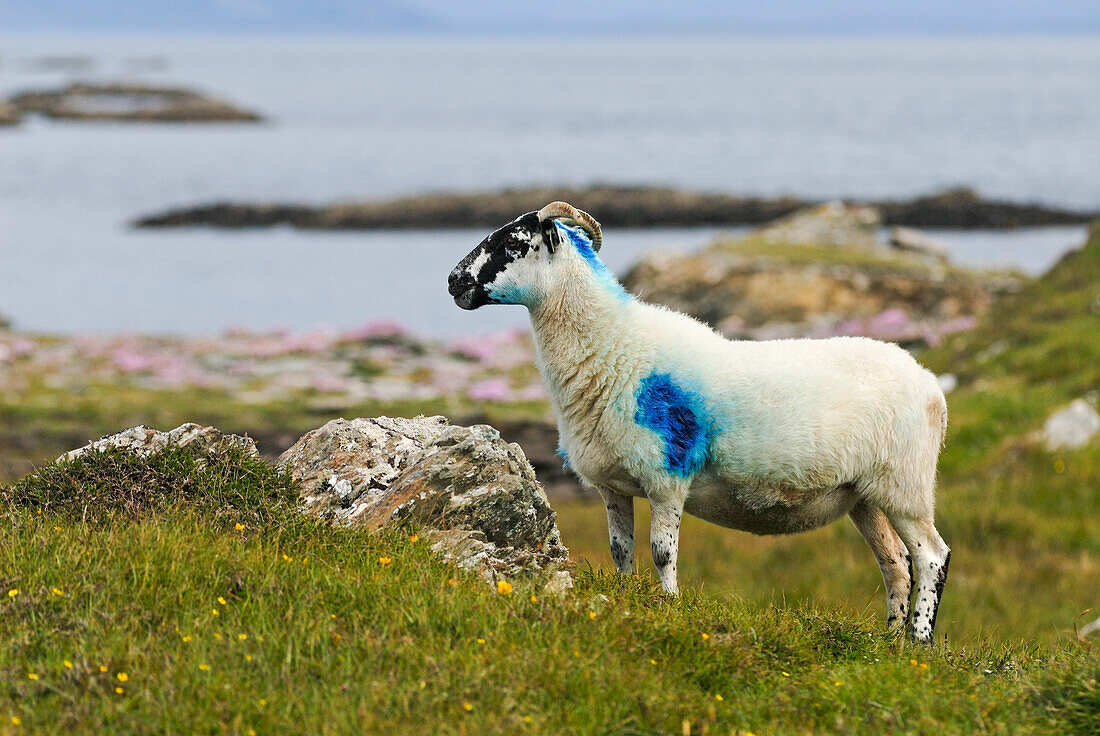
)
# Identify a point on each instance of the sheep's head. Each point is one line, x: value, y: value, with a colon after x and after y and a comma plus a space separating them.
x: 513, y: 265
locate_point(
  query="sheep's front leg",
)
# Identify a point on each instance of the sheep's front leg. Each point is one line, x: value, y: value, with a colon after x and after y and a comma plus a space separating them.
x: 664, y: 539
x: 620, y: 530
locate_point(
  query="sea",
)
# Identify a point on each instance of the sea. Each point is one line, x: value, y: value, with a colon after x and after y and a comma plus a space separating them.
x: 368, y: 117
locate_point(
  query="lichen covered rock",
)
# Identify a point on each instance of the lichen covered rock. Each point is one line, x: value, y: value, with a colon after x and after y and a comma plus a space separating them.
x: 144, y: 441
x: 475, y: 494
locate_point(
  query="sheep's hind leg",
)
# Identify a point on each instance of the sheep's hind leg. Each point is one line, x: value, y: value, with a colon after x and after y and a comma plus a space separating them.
x: 930, y: 559
x: 620, y: 529
x: 664, y: 539
x: 893, y: 559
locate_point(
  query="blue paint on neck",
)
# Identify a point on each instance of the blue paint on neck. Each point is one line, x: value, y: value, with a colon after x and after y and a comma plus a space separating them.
x: 679, y: 417
x: 564, y: 458
x: 580, y: 240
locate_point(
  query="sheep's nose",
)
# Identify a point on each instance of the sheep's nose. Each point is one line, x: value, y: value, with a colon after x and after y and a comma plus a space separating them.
x: 458, y: 282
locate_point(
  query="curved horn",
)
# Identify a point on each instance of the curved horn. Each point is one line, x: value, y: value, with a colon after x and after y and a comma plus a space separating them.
x: 554, y: 210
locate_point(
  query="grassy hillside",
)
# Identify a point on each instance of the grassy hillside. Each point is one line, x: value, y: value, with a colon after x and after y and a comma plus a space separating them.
x: 772, y: 635
x: 206, y: 605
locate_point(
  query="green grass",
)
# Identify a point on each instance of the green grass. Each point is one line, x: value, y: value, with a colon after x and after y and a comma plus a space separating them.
x: 168, y: 617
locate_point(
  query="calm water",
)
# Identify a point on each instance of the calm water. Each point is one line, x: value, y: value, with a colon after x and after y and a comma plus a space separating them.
x: 367, y: 117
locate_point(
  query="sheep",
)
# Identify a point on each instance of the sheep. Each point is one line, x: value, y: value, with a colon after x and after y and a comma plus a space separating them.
x: 768, y: 437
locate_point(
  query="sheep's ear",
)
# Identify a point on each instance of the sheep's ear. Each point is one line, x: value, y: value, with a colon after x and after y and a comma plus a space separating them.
x: 572, y: 216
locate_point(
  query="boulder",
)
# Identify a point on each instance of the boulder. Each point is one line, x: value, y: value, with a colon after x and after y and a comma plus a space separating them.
x: 475, y: 495
x: 144, y: 441
x: 1071, y: 427
x: 129, y: 102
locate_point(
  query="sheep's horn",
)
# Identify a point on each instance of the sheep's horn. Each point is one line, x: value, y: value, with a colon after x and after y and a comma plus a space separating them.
x: 555, y: 210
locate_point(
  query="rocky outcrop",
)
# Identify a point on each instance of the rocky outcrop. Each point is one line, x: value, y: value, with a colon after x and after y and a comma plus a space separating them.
x: 818, y: 273
x: 144, y: 441
x: 476, y: 495
x: 613, y: 206
x: 1071, y: 427
x: 129, y: 102
x: 9, y: 114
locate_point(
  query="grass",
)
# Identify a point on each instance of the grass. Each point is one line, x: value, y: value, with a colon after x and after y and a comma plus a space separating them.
x: 170, y: 616
x: 337, y: 642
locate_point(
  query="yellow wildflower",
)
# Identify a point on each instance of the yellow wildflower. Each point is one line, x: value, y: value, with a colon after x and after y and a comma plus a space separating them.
x: 239, y: 526
x: 527, y: 719
x: 786, y: 674
x: 32, y: 675
x: 102, y: 668
x: 242, y: 637
x: 56, y: 591
x: 222, y: 600
x: 13, y: 592
x: 251, y: 732
x: 204, y: 667
x: 480, y: 641
x: 187, y: 638
x: 288, y: 559
x: 15, y: 720
x: 534, y: 598
x: 450, y: 581
x: 262, y: 702
x: 217, y: 636
x: 717, y: 697
x: 122, y: 677
x: 68, y: 664
x: 705, y: 636
x: 215, y: 612
x: 118, y: 690
x: 414, y: 538
x: 504, y: 587
x: 57, y: 528
x: 384, y: 560
x: 592, y: 614
x: 248, y: 658
x: 923, y: 665
x: 913, y: 662
x: 467, y: 707
x: 653, y: 661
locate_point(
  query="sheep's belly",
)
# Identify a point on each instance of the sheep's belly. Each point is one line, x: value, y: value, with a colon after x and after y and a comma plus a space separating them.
x: 766, y: 511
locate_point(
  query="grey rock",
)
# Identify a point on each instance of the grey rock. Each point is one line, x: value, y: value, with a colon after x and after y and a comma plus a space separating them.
x: 475, y: 495
x: 144, y: 441
x: 1071, y: 427
x: 832, y: 223
x: 915, y: 241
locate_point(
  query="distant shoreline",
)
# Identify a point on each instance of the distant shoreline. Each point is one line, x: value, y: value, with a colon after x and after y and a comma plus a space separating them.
x: 615, y: 206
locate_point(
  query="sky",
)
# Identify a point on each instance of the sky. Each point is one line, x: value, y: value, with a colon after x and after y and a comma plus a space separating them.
x: 563, y: 17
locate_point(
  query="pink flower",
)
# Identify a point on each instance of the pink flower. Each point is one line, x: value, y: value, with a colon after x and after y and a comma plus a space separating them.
x: 494, y: 389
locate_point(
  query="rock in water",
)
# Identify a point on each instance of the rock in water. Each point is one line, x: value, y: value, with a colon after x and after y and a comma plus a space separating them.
x: 919, y: 242
x: 9, y: 114
x: 475, y: 494
x: 144, y: 441
x: 1071, y: 427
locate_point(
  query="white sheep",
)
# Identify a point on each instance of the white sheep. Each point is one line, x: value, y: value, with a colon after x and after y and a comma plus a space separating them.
x: 769, y: 437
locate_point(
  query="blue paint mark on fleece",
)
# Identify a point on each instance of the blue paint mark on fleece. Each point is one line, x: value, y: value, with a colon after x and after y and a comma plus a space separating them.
x: 679, y: 417
x: 510, y: 295
x: 580, y: 240
x: 564, y: 458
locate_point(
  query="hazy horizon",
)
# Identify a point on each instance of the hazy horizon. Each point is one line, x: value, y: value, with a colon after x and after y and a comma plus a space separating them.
x: 569, y: 17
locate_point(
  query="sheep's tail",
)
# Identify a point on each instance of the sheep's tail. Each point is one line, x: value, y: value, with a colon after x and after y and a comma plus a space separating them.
x: 937, y: 417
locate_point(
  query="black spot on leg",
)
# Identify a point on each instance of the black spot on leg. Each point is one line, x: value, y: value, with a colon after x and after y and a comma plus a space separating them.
x: 661, y: 555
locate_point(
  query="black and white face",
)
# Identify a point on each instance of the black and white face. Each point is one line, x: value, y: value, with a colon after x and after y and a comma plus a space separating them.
x: 508, y: 267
